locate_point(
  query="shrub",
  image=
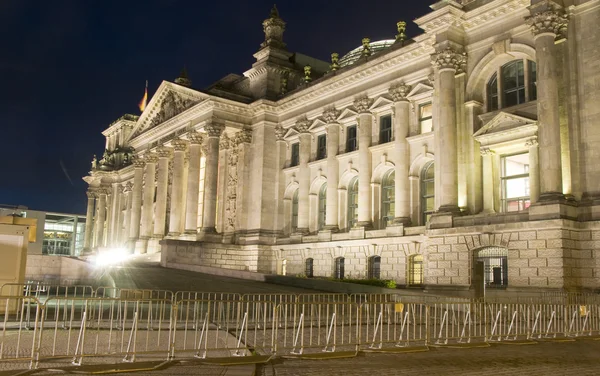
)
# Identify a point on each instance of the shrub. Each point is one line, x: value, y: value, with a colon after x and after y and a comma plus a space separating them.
x: 387, y: 283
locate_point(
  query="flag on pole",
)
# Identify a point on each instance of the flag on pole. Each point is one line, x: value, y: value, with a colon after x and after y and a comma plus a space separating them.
x: 144, y: 101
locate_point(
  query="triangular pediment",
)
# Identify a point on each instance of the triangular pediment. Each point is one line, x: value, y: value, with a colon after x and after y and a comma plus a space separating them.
x: 504, y: 122
x: 347, y: 113
x: 169, y: 101
x: 316, y: 124
x: 380, y: 102
x: 420, y: 89
x: 290, y: 133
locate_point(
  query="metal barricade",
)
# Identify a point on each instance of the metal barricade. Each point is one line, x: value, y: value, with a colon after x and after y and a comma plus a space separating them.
x: 456, y: 323
x: 387, y: 325
x: 221, y: 328
x: 316, y: 328
x: 117, y: 329
x: 380, y: 298
x: 273, y: 298
x: 548, y: 321
x: 20, y: 317
x: 583, y: 320
x: 43, y: 291
x: 507, y: 321
x: 322, y: 298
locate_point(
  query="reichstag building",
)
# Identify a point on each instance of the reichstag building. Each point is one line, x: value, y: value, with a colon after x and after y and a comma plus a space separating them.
x: 466, y: 156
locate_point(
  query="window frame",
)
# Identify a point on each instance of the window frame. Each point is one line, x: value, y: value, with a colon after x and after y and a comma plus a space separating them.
x: 423, y: 185
x: 351, y: 141
x: 374, y: 267
x: 339, y: 268
x: 387, y: 215
x: 294, y: 220
x: 414, y: 271
x: 322, y: 207
x: 295, y: 154
x: 420, y: 119
x: 352, y: 220
x: 500, y: 257
x: 386, y: 134
x: 523, y: 201
x: 529, y: 85
x: 321, y: 149
x: 309, y: 267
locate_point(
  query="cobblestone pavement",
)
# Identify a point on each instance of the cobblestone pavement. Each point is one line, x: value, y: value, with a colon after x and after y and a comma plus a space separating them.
x: 546, y: 358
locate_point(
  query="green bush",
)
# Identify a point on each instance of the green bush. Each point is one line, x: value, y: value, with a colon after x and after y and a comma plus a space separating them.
x: 387, y: 283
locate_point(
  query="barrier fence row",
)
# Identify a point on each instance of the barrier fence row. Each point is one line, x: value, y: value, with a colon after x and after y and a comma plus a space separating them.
x: 63, y: 331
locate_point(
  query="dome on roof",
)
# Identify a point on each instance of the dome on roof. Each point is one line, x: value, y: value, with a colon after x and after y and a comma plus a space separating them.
x: 352, y: 56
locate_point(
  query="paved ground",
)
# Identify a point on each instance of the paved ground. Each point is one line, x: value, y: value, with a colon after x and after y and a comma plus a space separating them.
x: 143, y: 275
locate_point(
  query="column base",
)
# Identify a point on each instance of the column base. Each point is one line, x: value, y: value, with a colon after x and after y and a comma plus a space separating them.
x: 551, y: 197
x: 441, y: 219
x: 190, y: 232
x: 301, y: 231
x: 452, y: 209
x: 554, y: 207
x: 153, y: 245
x: 332, y: 228
x: 173, y: 234
x: 141, y: 246
x: 366, y: 225
x: 401, y: 221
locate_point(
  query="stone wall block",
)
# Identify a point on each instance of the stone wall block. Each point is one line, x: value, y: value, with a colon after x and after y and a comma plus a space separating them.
x: 518, y: 281
x: 528, y: 272
x: 538, y: 281
x: 527, y: 253
x: 436, y: 241
x: 554, y: 262
x: 435, y: 256
x: 519, y: 244
x: 469, y: 242
x: 444, y: 248
x: 451, y: 240
x: 444, y: 281
x: 527, y: 235
x: 461, y: 240
x: 537, y: 244
x: 549, y: 234
x: 451, y: 273
x: 462, y: 280
x: 436, y: 272
x: 450, y: 256
x: 432, y: 265
x: 538, y: 262
x: 518, y: 263
x: 551, y: 272
x: 513, y: 254
x: 595, y: 235
x: 444, y: 264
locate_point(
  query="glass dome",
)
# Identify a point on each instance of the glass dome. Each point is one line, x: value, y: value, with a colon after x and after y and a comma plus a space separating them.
x: 352, y: 56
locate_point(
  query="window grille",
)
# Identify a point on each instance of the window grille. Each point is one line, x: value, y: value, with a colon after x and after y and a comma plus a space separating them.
x: 495, y: 266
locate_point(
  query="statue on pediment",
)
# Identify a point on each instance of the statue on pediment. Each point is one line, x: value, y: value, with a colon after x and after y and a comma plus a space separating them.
x: 171, y: 106
x: 94, y: 163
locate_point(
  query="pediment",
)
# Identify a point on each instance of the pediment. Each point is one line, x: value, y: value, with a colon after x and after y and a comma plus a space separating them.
x: 347, y: 113
x: 290, y: 133
x: 169, y: 101
x: 380, y: 102
x: 504, y: 122
x: 420, y: 89
x: 316, y: 124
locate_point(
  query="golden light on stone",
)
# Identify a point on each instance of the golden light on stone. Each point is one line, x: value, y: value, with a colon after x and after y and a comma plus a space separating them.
x: 334, y: 62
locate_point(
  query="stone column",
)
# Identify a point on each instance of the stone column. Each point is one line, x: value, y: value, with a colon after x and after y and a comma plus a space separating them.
x: 365, y: 125
x: 243, y: 139
x: 102, y: 193
x: 303, y: 175
x: 280, y: 223
x: 148, y: 204
x: 160, y: 209
x: 136, y: 199
x: 333, y: 169
x: 127, y: 192
x: 534, y: 170
x: 546, y: 23
x: 116, y: 216
x: 447, y: 62
x: 488, y: 180
x: 401, y: 157
x: 89, y: 219
x: 175, y: 225
x: 214, y: 131
x: 193, y: 183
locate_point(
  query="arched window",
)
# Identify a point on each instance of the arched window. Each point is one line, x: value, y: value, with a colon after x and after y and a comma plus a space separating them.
x: 427, y: 192
x: 353, y: 202
x: 339, y: 268
x: 514, y: 83
x: 295, y: 211
x: 388, y: 198
x: 308, y: 268
x: 322, y: 205
x: 492, y: 262
x: 415, y: 270
x: 374, y: 271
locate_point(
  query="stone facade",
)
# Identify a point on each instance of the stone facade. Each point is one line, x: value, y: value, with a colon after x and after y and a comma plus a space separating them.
x: 461, y: 158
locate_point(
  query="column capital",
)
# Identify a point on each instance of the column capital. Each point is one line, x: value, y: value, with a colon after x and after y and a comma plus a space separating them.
x: 330, y: 115
x: 547, y: 17
x: 280, y: 132
x: 399, y: 92
x: 102, y: 191
x: 120, y: 188
x: 138, y: 162
x: 151, y: 158
x: 91, y: 193
x: 244, y: 136
x: 486, y: 151
x: 128, y: 187
x: 179, y: 144
x: 164, y: 152
x: 214, y: 129
x: 531, y: 142
x: 195, y: 138
x: 362, y: 104
x: 449, y: 58
x: 225, y: 142
x: 302, y: 125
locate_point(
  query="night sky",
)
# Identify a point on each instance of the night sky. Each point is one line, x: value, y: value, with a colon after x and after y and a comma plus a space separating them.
x: 68, y: 68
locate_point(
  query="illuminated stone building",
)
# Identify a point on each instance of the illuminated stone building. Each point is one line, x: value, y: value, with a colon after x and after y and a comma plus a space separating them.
x: 465, y: 155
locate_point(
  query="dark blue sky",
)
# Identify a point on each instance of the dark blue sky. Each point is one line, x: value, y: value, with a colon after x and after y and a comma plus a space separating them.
x: 68, y: 68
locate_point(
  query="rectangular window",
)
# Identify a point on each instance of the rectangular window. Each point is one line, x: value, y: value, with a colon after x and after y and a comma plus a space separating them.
x: 351, y: 139
x: 321, y: 147
x: 385, y: 129
x: 426, y: 118
x: 515, y: 182
x: 295, y: 154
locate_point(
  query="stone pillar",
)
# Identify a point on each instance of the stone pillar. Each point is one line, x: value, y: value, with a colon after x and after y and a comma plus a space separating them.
x: 160, y: 209
x: 116, y: 216
x: 365, y: 125
x: 175, y: 225
x: 333, y: 169
x: 243, y: 139
x: 89, y: 219
x: 447, y: 63
x: 193, y: 183
x: 401, y: 156
x: 534, y: 171
x: 488, y: 180
x: 148, y: 204
x: 280, y: 223
x: 546, y: 23
x: 136, y: 199
x: 101, y: 218
x: 214, y: 131
x: 303, y: 175
x: 127, y: 194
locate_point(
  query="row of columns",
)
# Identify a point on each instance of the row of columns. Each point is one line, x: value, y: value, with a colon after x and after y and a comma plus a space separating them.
x: 143, y: 218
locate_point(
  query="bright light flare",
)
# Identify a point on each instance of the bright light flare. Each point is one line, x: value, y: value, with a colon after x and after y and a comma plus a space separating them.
x: 112, y: 256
